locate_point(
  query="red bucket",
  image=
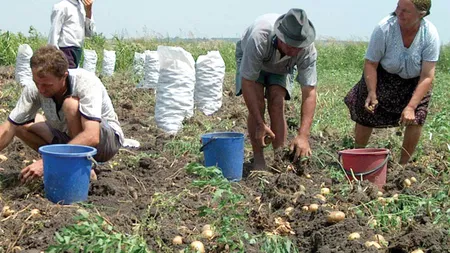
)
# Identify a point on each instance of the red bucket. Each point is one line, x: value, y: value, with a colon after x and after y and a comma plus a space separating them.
x: 366, y: 164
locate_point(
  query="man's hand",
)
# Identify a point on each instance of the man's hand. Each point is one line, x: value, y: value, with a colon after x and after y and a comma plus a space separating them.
x: 262, y: 130
x: 408, y: 116
x: 371, y: 102
x: 32, y: 171
x: 300, y: 145
x: 87, y: 3
x: 88, y: 7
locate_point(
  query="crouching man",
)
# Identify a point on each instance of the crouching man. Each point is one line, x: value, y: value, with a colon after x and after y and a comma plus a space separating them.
x: 76, y: 106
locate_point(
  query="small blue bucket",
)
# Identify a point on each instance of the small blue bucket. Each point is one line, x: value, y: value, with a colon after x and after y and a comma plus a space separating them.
x: 226, y: 151
x: 67, y: 170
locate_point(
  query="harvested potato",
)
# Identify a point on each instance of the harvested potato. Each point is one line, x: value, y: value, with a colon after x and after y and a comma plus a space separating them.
x: 395, y: 197
x: 380, y: 194
x: 335, y: 217
x: 313, y: 208
x: 289, y: 167
x: 206, y: 227
x: 325, y: 191
x: 370, y: 244
x: 417, y: 251
x: 35, y: 212
x: 354, y: 236
x: 288, y: 211
x: 208, y: 234
x: 267, y: 140
x: 7, y: 211
x: 177, y: 240
x: 302, y: 188
x: 380, y: 239
x: 3, y: 158
x: 413, y: 179
x: 305, y: 208
x: 308, y: 176
x: 320, y: 197
x: 407, y: 183
x: 198, y: 246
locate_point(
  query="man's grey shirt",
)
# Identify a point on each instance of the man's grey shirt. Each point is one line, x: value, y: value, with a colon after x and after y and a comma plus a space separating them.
x: 254, y: 53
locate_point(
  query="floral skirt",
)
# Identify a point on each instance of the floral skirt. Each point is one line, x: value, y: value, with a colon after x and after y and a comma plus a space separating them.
x: 393, y: 94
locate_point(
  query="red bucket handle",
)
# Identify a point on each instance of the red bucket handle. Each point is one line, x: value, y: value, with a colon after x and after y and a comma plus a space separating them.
x: 377, y: 168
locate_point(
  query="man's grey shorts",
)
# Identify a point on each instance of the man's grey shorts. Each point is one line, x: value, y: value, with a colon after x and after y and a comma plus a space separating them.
x: 109, y: 142
x: 267, y: 79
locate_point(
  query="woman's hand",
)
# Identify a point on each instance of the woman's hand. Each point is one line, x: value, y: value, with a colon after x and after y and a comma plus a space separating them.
x: 408, y: 117
x: 371, y: 102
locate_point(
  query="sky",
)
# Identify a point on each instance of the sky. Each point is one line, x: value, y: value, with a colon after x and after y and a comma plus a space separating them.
x: 333, y: 19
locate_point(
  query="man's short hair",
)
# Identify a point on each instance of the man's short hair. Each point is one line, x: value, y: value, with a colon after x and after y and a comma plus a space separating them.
x: 49, y: 60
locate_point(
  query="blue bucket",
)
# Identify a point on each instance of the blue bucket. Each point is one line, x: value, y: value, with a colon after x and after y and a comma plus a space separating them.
x: 226, y: 151
x: 67, y: 170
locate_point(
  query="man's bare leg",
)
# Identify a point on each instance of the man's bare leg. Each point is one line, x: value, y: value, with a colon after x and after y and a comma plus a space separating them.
x: 73, y: 120
x: 73, y: 117
x: 259, y: 162
x: 278, y: 123
x: 35, y: 134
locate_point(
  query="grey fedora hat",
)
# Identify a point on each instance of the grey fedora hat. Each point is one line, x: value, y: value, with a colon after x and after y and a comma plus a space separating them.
x: 294, y: 28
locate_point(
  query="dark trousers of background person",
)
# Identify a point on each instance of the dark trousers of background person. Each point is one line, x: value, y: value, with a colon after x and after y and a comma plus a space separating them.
x: 73, y: 55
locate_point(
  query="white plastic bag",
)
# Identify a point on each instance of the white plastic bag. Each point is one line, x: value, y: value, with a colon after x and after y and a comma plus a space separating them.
x: 210, y: 72
x: 22, y: 72
x: 151, y: 70
x: 109, y: 62
x: 138, y: 64
x: 90, y: 60
x: 175, y: 89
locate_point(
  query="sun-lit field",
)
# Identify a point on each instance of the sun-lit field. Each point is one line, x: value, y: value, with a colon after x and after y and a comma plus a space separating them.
x: 145, y: 197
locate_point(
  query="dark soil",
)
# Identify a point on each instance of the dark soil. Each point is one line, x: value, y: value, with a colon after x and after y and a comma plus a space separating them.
x: 125, y: 191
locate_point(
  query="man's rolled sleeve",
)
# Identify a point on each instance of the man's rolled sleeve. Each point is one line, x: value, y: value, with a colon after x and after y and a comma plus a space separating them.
x: 307, y: 68
x: 89, y: 27
x: 27, y: 106
x: 90, y: 95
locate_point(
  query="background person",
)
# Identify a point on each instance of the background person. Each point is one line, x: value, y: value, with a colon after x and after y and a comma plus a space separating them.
x: 71, y: 22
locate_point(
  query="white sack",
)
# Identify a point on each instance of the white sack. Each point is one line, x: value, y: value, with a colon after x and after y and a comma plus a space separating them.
x: 151, y: 70
x: 175, y: 89
x: 109, y: 62
x: 210, y: 72
x: 90, y: 60
x: 23, y: 70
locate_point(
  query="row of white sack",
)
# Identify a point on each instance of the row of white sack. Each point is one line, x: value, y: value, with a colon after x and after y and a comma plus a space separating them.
x: 180, y: 82
x: 24, y: 53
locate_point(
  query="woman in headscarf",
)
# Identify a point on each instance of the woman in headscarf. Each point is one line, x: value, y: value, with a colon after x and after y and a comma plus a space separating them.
x: 399, y: 68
